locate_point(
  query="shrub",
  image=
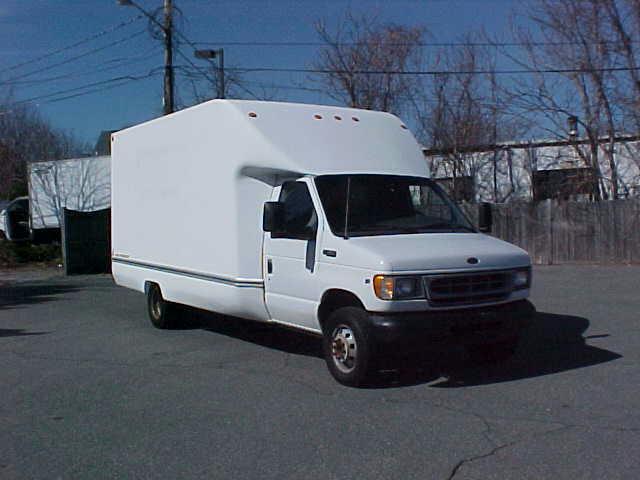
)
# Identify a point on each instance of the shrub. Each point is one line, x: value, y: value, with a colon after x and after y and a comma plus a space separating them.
x: 13, y: 254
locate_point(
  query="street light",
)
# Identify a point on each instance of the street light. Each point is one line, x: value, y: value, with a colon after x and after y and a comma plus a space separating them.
x: 208, y: 55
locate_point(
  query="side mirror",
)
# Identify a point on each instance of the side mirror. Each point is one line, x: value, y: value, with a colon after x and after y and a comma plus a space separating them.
x: 273, y: 217
x: 485, y: 217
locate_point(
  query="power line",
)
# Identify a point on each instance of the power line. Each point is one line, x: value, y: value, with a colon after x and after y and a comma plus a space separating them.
x: 209, y: 60
x: 246, y: 90
x: 72, y: 59
x: 403, y: 44
x: 475, y: 101
x: 74, y: 45
x: 125, y: 78
x: 276, y: 86
x: 433, y: 72
x: 190, y: 75
x: 121, y: 82
x: 115, y: 64
x: 108, y: 87
x: 199, y: 69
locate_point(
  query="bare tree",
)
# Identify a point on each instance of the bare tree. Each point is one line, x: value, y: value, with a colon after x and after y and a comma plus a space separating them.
x: 576, y: 73
x: 365, y: 60
x: 623, y: 19
x: 26, y: 137
x: 204, y: 83
x: 460, y: 109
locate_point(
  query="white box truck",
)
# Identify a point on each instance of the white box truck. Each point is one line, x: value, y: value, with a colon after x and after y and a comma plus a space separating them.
x: 318, y: 218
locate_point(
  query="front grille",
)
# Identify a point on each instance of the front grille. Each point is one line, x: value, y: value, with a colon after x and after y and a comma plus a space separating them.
x: 468, y: 288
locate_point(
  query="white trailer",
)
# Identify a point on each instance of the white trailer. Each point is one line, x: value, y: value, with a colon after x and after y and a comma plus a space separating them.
x: 82, y: 184
x: 315, y: 217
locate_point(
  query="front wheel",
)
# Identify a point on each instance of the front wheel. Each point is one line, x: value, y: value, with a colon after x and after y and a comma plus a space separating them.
x: 348, y: 347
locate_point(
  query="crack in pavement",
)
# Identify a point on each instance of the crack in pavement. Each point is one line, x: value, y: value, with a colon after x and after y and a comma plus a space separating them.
x: 488, y: 429
x: 456, y: 468
x: 487, y: 419
x: 464, y: 461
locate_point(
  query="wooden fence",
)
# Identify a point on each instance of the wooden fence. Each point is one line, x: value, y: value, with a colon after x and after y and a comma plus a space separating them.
x: 555, y: 232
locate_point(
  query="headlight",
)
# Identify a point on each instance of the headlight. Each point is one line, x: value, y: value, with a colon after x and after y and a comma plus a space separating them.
x: 397, y: 288
x: 522, y: 279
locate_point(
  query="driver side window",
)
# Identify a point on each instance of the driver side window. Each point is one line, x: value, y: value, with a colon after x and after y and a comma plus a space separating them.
x: 300, y: 219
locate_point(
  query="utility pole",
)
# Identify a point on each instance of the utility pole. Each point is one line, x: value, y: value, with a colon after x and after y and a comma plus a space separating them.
x: 219, y: 55
x: 168, y: 103
x: 169, y: 88
x: 221, y: 71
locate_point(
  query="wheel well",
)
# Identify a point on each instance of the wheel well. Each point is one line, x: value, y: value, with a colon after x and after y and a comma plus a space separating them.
x: 333, y: 300
x: 147, y: 285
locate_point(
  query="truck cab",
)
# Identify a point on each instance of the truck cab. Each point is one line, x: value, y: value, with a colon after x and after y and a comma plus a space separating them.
x: 374, y: 259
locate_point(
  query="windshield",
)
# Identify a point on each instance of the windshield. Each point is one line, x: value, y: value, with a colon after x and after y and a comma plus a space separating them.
x: 387, y: 205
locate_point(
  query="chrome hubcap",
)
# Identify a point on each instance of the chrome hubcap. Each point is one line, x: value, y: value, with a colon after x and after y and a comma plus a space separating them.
x: 344, y: 348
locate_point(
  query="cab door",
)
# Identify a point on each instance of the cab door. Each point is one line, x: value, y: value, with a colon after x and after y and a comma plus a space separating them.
x: 291, y: 290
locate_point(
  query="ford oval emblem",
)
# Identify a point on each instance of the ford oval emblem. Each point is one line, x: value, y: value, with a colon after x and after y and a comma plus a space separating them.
x: 472, y: 260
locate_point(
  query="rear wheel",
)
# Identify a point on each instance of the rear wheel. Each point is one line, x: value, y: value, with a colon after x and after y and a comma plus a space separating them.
x: 348, y: 347
x: 160, y: 311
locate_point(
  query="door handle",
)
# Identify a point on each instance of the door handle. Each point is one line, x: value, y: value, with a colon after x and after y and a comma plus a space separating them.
x: 329, y: 253
x: 269, y: 266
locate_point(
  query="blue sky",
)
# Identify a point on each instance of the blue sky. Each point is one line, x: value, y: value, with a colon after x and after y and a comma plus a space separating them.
x: 32, y: 28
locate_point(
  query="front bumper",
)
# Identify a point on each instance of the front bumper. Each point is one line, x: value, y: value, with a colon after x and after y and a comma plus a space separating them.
x: 464, y: 326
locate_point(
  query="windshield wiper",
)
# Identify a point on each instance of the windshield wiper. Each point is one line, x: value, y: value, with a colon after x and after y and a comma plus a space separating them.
x: 395, y: 230
x: 465, y: 228
x: 389, y: 230
x: 447, y: 226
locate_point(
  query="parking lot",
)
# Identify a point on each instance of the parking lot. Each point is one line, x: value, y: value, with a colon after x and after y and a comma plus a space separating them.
x: 91, y: 390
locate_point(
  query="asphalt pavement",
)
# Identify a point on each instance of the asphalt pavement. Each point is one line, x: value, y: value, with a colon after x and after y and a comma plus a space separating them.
x: 88, y: 389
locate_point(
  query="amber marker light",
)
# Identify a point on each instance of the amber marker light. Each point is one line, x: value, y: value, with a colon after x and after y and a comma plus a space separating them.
x: 383, y: 286
x: 393, y: 287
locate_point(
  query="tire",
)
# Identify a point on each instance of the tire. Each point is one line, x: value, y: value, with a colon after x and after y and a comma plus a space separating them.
x: 348, y: 347
x: 161, y: 312
x: 493, y: 353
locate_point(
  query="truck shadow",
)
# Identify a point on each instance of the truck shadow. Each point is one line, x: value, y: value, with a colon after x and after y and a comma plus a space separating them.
x: 263, y: 334
x: 18, y: 332
x: 552, y: 344
x: 19, y: 295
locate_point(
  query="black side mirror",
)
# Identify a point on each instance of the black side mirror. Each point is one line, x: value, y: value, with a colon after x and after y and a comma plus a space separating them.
x: 485, y: 217
x: 273, y: 217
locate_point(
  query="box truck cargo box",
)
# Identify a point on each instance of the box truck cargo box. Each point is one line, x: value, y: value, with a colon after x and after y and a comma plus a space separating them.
x: 314, y: 217
x: 80, y: 184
